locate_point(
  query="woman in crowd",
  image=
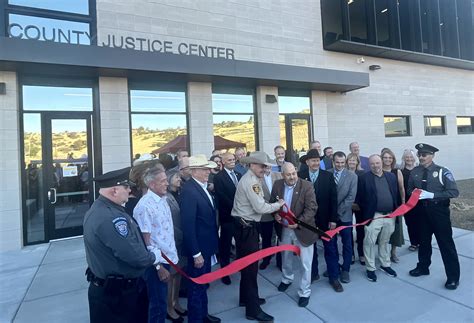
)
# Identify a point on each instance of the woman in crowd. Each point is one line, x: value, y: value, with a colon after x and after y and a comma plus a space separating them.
x: 353, y: 164
x: 408, y: 163
x: 175, y: 311
x: 210, y: 182
x: 389, y: 165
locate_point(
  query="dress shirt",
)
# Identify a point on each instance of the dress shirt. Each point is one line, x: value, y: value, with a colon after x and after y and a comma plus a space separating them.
x: 232, y: 177
x: 204, y: 187
x: 268, y: 181
x: 313, y: 175
x: 288, y: 195
x: 153, y: 215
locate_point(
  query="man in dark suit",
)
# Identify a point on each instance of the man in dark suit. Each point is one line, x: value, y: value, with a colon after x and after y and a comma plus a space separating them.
x: 326, y: 216
x: 300, y: 199
x: 198, y: 219
x: 225, y: 185
x: 377, y: 196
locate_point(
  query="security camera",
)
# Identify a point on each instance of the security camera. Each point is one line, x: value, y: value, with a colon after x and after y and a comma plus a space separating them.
x: 360, y: 60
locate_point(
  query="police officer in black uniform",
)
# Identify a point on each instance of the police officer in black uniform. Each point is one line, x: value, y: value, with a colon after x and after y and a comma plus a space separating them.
x: 116, y: 254
x: 438, y: 186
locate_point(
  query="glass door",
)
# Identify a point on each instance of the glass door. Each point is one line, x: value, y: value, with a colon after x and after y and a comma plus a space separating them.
x: 67, y: 170
x: 298, y: 136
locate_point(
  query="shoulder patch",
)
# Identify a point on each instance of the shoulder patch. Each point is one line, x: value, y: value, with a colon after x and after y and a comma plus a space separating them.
x: 256, y: 188
x: 448, y: 175
x: 121, y: 226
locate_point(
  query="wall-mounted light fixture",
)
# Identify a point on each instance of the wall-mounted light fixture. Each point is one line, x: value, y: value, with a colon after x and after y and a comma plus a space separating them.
x: 374, y: 67
x: 270, y: 98
x: 3, y: 89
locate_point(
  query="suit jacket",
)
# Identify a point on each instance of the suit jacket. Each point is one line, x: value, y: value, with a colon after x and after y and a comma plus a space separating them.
x: 326, y: 197
x: 303, y: 205
x: 346, y: 194
x: 224, y: 191
x: 367, y: 194
x: 198, y: 221
x: 267, y: 194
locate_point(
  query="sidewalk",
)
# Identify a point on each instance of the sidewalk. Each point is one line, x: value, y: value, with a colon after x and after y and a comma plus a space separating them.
x: 46, y: 283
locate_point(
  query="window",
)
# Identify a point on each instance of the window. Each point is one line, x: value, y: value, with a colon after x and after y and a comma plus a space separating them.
x: 434, y: 125
x: 291, y: 108
x: 386, y: 17
x: 449, y: 32
x: 74, y: 6
x: 159, y: 122
x: 410, y: 30
x: 430, y: 27
x: 397, y: 126
x: 332, y: 21
x: 234, y: 120
x: 465, y: 125
x: 465, y: 13
x: 358, y: 20
x: 49, y: 98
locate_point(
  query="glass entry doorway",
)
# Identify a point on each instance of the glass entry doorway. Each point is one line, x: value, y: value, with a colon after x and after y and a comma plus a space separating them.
x: 297, y: 136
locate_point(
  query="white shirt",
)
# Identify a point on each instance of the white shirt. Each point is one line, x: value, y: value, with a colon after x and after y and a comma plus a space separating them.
x: 268, y: 181
x: 230, y: 175
x: 153, y: 215
x: 204, y: 187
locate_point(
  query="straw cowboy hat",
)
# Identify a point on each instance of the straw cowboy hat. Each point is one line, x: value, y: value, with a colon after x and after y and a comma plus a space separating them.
x: 144, y: 158
x: 257, y: 157
x: 200, y: 161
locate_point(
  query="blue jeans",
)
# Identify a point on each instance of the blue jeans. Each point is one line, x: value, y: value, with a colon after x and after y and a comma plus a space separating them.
x: 197, y: 293
x: 346, y: 238
x: 332, y: 259
x: 157, y: 295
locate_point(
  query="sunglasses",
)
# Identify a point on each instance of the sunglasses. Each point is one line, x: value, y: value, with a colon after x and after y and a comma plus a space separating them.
x: 423, y: 154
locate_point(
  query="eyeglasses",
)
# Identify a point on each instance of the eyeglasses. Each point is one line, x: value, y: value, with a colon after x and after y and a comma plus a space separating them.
x: 423, y: 154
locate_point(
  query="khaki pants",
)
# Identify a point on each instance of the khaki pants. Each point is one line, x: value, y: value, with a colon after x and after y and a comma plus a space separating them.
x: 385, y: 227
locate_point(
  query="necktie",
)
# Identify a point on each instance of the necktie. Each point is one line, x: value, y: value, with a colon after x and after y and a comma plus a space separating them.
x: 336, y: 177
x: 234, y: 178
x: 424, y: 180
x: 312, y: 176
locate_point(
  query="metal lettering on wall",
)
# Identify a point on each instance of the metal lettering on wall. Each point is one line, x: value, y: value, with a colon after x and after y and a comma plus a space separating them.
x: 59, y: 35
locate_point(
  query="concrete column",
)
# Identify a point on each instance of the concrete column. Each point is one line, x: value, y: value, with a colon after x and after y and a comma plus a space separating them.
x: 115, y: 123
x: 10, y: 166
x: 201, y: 134
x: 268, y: 126
x: 320, y: 117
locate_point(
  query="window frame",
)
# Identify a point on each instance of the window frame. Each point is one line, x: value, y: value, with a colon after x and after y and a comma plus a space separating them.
x: 407, y: 122
x: 472, y: 125
x: 443, y: 125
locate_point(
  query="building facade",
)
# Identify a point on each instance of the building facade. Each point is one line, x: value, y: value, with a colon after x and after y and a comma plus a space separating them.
x: 86, y: 85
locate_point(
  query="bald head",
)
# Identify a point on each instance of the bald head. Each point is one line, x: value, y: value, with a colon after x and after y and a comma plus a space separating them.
x: 290, y: 176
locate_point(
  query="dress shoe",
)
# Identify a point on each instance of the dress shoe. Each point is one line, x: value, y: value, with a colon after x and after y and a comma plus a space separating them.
x: 179, y: 319
x: 303, y: 301
x: 345, y: 277
x: 451, y: 284
x: 315, y: 278
x: 419, y: 272
x: 264, y: 265
x: 336, y: 285
x: 226, y: 280
x: 211, y: 319
x: 183, y: 313
x: 261, y: 301
x: 362, y: 261
x: 261, y: 317
x: 283, y: 287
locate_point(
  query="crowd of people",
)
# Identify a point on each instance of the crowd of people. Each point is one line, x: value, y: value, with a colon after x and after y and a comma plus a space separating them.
x: 191, y: 213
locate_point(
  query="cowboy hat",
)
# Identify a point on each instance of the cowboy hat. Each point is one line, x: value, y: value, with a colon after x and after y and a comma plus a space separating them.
x: 144, y: 158
x: 257, y: 157
x: 312, y: 153
x: 200, y: 161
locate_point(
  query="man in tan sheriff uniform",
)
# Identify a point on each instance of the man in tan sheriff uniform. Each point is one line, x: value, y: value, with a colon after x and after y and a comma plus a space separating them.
x: 249, y: 205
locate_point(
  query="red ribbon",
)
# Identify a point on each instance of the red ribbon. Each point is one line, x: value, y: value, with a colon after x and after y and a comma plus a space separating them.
x: 287, y: 215
x: 402, y: 209
x: 236, y: 265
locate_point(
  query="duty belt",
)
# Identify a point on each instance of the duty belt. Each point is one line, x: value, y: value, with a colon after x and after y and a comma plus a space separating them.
x: 245, y: 223
x: 118, y: 281
x: 443, y: 202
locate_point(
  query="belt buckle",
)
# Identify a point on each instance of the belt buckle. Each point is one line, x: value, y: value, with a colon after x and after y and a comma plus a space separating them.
x: 244, y: 223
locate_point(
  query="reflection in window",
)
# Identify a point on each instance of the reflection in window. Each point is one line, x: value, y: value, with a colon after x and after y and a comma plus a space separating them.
x: 47, y: 29
x: 157, y: 101
x: 465, y: 125
x: 434, y: 126
x: 410, y: 30
x: 387, y: 23
x: 430, y: 27
x: 396, y: 126
x: 33, y: 174
x: 332, y: 21
x: 74, y: 6
x: 234, y: 120
x: 48, y: 98
x: 465, y: 11
x: 358, y: 20
x: 449, y: 33
x: 294, y: 104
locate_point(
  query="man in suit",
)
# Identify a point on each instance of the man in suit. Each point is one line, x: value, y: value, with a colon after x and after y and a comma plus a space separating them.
x: 300, y: 199
x: 346, y: 182
x: 377, y: 196
x: 326, y: 216
x: 225, y: 185
x: 198, y: 219
x: 267, y: 222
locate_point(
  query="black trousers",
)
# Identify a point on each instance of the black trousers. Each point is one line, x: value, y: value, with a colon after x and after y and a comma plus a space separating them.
x: 225, y: 242
x: 246, y: 240
x: 266, y: 231
x: 412, y: 219
x: 435, y: 219
x: 124, y: 306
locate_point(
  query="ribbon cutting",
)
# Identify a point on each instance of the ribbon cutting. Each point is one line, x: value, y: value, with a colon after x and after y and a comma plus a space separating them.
x: 290, y: 217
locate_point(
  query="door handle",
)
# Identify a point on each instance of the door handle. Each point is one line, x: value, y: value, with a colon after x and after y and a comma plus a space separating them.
x: 49, y: 195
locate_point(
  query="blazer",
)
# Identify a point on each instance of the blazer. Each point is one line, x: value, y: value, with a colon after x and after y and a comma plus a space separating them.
x: 267, y: 194
x: 326, y: 197
x: 367, y: 194
x: 224, y: 191
x: 198, y: 221
x: 346, y: 194
x: 303, y: 205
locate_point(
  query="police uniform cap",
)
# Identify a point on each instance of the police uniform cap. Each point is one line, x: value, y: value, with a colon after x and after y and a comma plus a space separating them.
x: 312, y: 153
x: 114, y: 178
x: 425, y: 148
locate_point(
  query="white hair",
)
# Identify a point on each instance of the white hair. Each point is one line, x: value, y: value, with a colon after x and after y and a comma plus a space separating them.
x: 405, y: 153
